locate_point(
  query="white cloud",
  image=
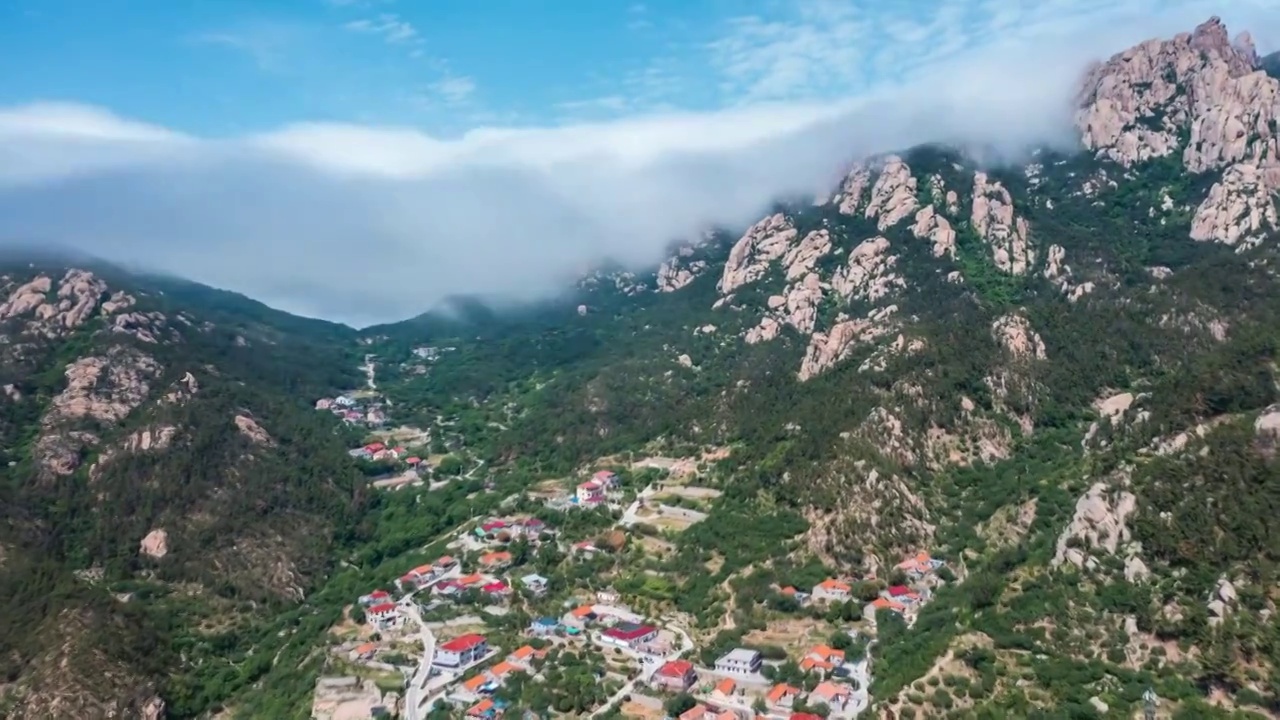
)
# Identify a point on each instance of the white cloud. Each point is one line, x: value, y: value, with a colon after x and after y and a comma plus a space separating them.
x: 455, y: 90
x: 389, y: 26
x: 368, y: 224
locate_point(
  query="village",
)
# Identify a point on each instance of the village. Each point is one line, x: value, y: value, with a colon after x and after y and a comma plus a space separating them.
x: 516, y: 610
x: 444, y: 628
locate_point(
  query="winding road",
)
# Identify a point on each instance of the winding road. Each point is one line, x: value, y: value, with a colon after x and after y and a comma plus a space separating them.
x: 647, y: 669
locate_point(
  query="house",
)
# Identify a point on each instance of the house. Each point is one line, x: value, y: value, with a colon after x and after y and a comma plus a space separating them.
x: 834, y: 695
x: 739, y: 661
x: 607, y: 479
x: 703, y: 712
x: 324, y: 403
x: 782, y: 695
x: 479, y: 684
x: 535, y: 583
x: 822, y: 659
x: 496, y: 589
x: 374, y: 447
x: 608, y: 597
x: 472, y: 580
x: 544, y: 626
x: 674, y: 675
x: 884, y: 604
x: 364, y: 652
x: 343, y: 401
x: 461, y: 651
x: 445, y: 563
x: 903, y: 594
x: 590, y: 493
x: 377, y: 597
x: 919, y: 565
x: 726, y: 691
x: 831, y: 590
x: 586, y: 547
x: 579, y: 616
x: 524, y: 655
x: 360, y: 454
x: 805, y: 716
x: 629, y: 635
x: 383, y: 614
x: 448, y: 588
x: 801, y: 598
x: 413, y: 461
x: 500, y: 671
x: 533, y: 527
x: 484, y: 709
x: 495, y: 560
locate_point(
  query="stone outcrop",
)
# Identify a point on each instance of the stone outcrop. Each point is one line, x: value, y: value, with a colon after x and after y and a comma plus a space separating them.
x: 104, y: 388
x: 994, y: 221
x: 827, y: 349
x: 1138, y: 104
x: 1015, y: 335
x: 1239, y: 208
x: 750, y: 257
x: 1059, y: 274
x: 893, y: 197
x: 678, y: 270
x: 155, y: 544
x: 55, y: 309
x: 1099, y: 523
x: 930, y: 225
x: 1266, y: 430
x: 849, y: 198
x: 252, y: 430
x: 801, y: 259
x: 869, y: 275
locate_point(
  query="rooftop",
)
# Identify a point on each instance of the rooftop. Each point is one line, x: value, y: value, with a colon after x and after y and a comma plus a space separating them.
x: 744, y: 655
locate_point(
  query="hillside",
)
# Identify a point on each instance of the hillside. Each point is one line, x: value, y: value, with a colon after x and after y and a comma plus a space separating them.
x: 1060, y: 373
x: 166, y: 486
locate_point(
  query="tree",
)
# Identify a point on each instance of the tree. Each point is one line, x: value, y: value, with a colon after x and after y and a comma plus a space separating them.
x: 680, y: 704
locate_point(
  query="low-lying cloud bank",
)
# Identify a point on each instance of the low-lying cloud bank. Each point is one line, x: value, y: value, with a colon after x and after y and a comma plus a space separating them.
x: 367, y: 225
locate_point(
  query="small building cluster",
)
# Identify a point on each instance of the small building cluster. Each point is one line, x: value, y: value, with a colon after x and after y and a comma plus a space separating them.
x: 354, y: 410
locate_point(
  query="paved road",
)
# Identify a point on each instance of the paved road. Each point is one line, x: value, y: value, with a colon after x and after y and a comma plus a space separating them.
x: 416, y: 694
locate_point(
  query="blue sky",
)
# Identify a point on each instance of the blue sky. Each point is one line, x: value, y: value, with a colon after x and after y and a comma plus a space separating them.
x: 361, y: 159
x: 232, y: 66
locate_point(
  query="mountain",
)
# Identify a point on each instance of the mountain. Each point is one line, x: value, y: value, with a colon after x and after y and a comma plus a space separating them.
x: 1059, y: 373
x: 166, y: 486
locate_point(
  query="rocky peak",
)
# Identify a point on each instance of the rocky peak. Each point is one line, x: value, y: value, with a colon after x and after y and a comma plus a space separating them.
x: 995, y: 222
x: 759, y: 246
x: 893, y: 197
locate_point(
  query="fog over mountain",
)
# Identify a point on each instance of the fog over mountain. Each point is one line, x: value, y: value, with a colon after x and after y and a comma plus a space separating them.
x: 369, y: 224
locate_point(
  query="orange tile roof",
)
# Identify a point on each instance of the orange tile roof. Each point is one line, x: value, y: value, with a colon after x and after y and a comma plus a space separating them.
x: 480, y: 707
x: 583, y: 611
x: 788, y: 590
x: 810, y: 663
x: 522, y: 652
x: 885, y: 603
x: 475, y: 683
x: 695, y: 712
x: 727, y: 715
x: 726, y: 686
x: 367, y: 647
x: 494, y: 558
x: 833, y: 584
x: 824, y: 652
x: 445, y: 560
x: 471, y: 579
x: 830, y: 690
x: 503, y: 668
x: 780, y: 691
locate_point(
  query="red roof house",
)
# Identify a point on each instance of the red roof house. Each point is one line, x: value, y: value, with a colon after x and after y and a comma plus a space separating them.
x: 375, y: 447
x: 899, y: 591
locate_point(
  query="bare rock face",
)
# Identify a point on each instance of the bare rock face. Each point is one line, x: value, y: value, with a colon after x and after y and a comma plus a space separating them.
x: 1015, y: 334
x: 104, y: 388
x: 750, y: 257
x: 180, y: 391
x: 1057, y: 272
x: 994, y: 221
x: 1239, y: 208
x: 768, y: 329
x: 1099, y: 522
x: 61, y: 453
x: 800, y: 260
x: 155, y: 544
x: 827, y: 349
x: 154, y: 709
x: 932, y: 226
x: 678, y: 271
x: 855, y: 184
x: 1134, y: 107
x: 893, y: 197
x: 1266, y: 430
x: 870, y: 273
x: 252, y: 430
x: 26, y: 298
